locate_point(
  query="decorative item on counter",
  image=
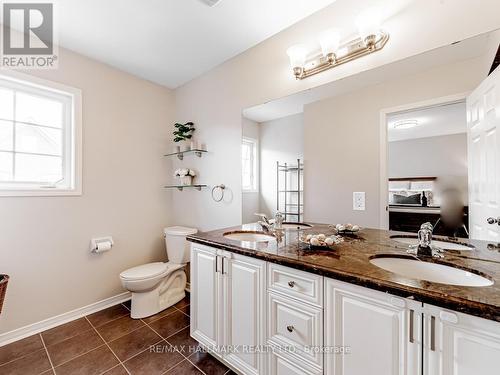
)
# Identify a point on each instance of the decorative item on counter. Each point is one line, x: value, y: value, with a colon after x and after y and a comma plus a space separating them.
x: 321, y: 240
x: 346, y: 228
x: 183, y: 133
x: 4, y: 280
x: 185, y: 176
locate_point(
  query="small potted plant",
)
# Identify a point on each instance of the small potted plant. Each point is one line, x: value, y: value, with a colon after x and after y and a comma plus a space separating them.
x: 185, y: 176
x: 182, y: 133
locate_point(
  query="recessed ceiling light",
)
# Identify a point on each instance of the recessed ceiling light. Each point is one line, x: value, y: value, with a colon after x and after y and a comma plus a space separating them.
x: 406, y: 124
x: 210, y: 3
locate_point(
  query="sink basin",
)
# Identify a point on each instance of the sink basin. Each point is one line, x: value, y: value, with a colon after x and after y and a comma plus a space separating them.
x: 295, y: 226
x: 249, y: 236
x: 434, y: 272
x: 445, y: 245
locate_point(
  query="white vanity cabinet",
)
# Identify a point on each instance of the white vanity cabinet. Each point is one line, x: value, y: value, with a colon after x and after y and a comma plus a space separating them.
x: 228, y: 306
x: 379, y: 333
x: 459, y: 344
x: 245, y: 303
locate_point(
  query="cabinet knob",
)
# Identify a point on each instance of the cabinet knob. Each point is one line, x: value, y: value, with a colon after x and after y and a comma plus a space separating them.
x: 290, y: 328
x: 291, y: 284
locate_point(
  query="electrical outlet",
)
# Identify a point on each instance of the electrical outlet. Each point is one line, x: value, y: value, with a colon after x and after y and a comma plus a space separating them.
x: 358, y: 201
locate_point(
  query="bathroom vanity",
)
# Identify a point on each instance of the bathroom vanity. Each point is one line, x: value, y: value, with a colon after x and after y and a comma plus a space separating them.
x: 277, y: 307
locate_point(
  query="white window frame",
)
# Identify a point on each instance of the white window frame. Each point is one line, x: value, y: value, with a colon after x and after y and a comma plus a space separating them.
x: 72, y: 158
x: 255, y: 165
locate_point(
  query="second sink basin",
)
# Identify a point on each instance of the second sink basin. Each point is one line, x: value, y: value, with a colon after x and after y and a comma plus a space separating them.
x: 445, y: 245
x: 249, y: 236
x: 295, y: 226
x: 434, y: 272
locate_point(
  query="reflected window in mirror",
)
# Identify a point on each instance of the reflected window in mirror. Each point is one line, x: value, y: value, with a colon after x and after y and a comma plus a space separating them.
x: 249, y: 159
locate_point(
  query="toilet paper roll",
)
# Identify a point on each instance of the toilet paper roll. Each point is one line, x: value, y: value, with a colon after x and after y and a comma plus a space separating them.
x: 103, y: 246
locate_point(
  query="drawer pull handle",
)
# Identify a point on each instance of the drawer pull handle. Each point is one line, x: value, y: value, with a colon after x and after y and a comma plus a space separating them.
x: 290, y: 328
x: 412, y: 340
x: 433, y: 333
x: 291, y: 284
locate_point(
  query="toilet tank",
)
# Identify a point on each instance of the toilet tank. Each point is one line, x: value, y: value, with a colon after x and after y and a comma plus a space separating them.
x: 178, y: 248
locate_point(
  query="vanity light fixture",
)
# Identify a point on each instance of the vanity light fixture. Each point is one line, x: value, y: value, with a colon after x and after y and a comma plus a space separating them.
x: 333, y: 53
x: 405, y: 124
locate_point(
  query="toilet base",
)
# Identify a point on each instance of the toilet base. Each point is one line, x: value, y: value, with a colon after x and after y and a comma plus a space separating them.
x: 167, y: 293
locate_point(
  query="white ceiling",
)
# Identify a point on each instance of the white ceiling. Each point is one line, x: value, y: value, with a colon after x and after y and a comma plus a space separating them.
x: 173, y: 41
x: 293, y: 104
x: 433, y: 122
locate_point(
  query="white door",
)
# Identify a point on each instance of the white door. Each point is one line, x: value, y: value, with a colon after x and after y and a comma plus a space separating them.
x: 374, y: 327
x: 460, y: 344
x: 483, y: 128
x: 204, y: 295
x: 244, y: 294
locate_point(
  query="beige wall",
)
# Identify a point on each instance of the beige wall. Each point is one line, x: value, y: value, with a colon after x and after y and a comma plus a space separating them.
x: 280, y: 140
x: 44, y: 241
x: 351, y: 124
x: 215, y: 100
x: 250, y: 200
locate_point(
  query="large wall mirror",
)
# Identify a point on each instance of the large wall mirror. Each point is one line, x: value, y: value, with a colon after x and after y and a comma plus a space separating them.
x: 418, y: 138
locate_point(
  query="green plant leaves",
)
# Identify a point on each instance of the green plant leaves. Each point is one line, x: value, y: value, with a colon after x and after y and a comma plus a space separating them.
x: 183, y: 131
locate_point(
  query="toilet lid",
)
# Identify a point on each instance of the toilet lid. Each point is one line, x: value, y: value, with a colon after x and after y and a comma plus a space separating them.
x: 144, y: 271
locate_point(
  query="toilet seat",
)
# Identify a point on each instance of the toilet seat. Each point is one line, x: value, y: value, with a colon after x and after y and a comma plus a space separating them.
x: 149, y: 271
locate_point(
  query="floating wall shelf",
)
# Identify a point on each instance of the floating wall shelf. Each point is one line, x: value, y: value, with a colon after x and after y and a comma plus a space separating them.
x: 180, y: 187
x: 180, y: 155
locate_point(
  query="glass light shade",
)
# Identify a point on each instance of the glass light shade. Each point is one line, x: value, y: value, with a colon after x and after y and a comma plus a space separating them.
x: 329, y: 41
x: 368, y: 23
x: 297, y: 55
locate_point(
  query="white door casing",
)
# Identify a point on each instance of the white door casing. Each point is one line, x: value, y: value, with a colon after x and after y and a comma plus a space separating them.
x: 483, y: 144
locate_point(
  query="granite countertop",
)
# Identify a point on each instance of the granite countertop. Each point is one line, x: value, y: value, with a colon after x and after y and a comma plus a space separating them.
x: 350, y: 262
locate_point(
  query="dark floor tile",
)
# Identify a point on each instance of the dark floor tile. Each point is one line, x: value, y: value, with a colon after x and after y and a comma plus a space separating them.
x: 134, y: 342
x: 183, y: 342
x: 185, y: 309
x: 153, y: 362
x: 117, y: 370
x: 20, y: 348
x: 161, y: 314
x: 208, y: 364
x: 95, y: 362
x: 65, y: 331
x: 170, y: 324
x: 128, y: 304
x: 184, y: 368
x: 182, y: 303
x: 118, y: 327
x: 107, y: 315
x: 34, y: 363
x: 68, y: 349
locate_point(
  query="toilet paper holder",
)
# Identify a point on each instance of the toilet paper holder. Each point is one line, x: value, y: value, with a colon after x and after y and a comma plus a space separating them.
x: 101, y: 244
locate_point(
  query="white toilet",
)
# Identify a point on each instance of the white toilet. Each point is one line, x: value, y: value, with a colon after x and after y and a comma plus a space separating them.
x: 156, y: 286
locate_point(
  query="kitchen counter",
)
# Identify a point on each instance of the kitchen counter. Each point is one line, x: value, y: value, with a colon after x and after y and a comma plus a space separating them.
x: 350, y: 262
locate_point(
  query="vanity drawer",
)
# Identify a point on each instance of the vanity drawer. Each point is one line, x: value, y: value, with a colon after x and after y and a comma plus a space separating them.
x: 297, y: 326
x: 280, y: 366
x: 302, y: 285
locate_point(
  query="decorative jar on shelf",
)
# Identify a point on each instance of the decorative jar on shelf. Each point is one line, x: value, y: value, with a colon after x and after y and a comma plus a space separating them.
x: 186, y: 180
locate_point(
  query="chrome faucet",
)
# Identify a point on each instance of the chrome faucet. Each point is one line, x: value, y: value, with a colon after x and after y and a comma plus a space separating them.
x: 425, y: 246
x: 271, y: 225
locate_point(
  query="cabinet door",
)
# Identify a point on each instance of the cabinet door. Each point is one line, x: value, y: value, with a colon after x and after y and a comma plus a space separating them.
x: 460, y: 344
x: 244, y: 294
x: 204, y: 295
x: 372, y: 327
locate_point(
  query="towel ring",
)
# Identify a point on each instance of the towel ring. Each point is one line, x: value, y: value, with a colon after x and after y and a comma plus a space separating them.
x: 220, y: 187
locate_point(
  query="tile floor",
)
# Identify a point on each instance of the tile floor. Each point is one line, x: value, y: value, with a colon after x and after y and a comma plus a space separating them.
x: 110, y: 342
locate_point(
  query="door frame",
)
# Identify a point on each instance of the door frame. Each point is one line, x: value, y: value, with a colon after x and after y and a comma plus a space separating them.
x: 384, y: 161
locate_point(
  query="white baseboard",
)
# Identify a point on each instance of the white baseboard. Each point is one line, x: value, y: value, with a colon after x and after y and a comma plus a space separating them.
x: 21, y: 333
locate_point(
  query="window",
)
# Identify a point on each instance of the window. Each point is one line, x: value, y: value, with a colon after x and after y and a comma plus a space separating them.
x: 249, y: 165
x: 39, y: 138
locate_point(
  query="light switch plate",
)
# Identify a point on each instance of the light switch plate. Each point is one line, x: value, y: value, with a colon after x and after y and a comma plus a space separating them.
x: 359, y: 201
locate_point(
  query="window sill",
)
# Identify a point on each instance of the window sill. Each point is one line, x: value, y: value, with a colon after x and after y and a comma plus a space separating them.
x: 40, y: 193
x: 250, y: 191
